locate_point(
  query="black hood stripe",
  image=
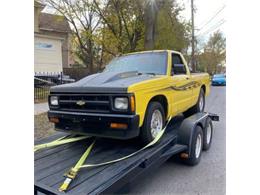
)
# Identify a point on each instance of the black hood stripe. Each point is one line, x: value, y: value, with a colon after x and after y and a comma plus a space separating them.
x: 114, y: 82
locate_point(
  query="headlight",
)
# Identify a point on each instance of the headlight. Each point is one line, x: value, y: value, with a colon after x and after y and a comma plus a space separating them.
x: 121, y: 103
x: 54, y: 101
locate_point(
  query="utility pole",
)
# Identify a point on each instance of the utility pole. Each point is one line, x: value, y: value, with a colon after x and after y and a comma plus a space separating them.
x: 192, y: 38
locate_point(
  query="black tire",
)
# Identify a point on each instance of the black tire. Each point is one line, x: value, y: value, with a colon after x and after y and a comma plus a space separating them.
x: 193, y: 159
x: 207, y: 141
x: 196, y: 108
x: 145, y: 134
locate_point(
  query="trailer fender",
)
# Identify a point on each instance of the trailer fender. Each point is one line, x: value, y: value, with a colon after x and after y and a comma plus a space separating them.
x: 187, y: 128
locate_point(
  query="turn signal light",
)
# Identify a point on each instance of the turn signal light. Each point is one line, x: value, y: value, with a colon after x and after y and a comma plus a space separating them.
x: 132, y: 100
x: 54, y: 120
x: 118, y: 126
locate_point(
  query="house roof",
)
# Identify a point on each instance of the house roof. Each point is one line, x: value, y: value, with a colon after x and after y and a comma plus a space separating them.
x: 51, y: 22
x: 38, y: 4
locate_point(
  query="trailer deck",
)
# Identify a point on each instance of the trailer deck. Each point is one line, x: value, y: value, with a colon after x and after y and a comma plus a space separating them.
x: 51, y: 164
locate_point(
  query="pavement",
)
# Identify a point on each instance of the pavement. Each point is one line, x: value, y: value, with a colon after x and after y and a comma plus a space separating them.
x: 40, y: 108
x: 208, y: 177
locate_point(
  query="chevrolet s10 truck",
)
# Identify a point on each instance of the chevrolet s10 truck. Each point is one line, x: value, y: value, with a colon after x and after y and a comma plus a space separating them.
x: 134, y: 96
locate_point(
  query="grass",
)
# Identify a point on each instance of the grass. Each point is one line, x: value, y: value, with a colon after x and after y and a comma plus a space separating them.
x: 42, y: 126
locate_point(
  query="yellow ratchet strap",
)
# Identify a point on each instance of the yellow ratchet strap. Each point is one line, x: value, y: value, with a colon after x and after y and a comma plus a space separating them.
x: 156, y: 139
x: 74, y: 170
x: 60, y: 141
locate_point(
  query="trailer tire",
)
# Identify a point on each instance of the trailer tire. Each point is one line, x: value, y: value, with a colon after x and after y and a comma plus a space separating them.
x: 195, y: 148
x: 208, y: 132
x: 146, y: 130
x: 198, y: 107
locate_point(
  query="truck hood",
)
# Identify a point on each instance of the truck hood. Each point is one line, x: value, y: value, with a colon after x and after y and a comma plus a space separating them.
x: 106, y: 82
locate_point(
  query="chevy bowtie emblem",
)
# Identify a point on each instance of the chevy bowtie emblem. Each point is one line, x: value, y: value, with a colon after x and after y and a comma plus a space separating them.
x: 80, y: 103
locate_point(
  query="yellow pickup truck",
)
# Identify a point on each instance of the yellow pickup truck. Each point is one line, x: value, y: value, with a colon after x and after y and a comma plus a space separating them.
x: 134, y: 96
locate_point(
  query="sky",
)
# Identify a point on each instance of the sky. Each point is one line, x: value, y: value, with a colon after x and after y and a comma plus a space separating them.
x: 205, y: 11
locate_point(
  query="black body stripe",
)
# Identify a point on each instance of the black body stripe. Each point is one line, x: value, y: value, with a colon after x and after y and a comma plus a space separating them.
x: 191, y: 85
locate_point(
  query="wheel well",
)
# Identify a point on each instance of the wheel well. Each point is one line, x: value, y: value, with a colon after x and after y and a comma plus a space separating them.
x: 200, y: 125
x: 204, y: 88
x: 163, y: 101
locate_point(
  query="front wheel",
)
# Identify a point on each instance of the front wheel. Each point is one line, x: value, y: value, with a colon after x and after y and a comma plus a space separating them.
x: 153, y: 123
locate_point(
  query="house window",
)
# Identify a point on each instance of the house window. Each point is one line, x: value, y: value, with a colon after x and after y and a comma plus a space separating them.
x: 47, y: 46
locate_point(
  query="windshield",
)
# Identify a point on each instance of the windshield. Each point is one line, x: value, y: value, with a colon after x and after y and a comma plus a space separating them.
x: 151, y: 62
x: 219, y: 76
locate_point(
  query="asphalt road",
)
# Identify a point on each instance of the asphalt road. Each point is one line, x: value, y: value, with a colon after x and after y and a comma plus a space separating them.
x: 208, y: 177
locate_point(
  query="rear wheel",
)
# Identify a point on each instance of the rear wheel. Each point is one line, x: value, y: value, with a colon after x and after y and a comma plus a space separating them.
x: 153, y: 123
x: 199, y: 107
x: 195, y: 148
x: 208, y: 132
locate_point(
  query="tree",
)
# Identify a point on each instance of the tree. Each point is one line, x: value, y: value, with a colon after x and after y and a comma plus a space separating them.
x: 83, y: 20
x: 103, y: 29
x: 171, y: 32
x: 122, y: 24
x: 214, y: 53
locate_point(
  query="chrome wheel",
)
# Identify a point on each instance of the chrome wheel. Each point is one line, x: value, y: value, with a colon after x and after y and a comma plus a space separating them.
x: 201, y: 103
x: 209, y: 131
x: 156, y: 123
x: 198, y: 146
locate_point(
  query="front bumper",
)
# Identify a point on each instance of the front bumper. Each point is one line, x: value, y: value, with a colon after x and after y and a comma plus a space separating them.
x: 94, y: 124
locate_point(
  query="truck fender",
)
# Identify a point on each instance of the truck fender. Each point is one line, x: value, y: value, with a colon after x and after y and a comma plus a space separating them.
x: 187, y: 128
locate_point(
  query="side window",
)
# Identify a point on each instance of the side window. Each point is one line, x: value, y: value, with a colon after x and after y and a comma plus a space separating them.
x: 177, y: 65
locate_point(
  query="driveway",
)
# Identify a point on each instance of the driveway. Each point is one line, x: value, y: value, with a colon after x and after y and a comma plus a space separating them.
x: 41, y: 108
x: 208, y: 177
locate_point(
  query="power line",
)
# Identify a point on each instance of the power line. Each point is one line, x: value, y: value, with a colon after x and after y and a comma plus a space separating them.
x: 220, y: 10
x: 217, y: 25
x: 214, y: 28
x: 215, y: 14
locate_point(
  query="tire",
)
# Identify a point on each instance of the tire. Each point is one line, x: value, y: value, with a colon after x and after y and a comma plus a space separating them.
x: 194, y: 157
x: 146, y: 134
x: 208, y: 133
x: 197, y: 107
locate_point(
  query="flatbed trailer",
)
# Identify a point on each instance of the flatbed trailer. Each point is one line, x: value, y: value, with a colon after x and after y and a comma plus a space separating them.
x: 51, y: 164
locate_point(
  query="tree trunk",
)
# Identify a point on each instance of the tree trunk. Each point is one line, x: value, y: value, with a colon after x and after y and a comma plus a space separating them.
x: 150, y: 24
x: 91, y: 57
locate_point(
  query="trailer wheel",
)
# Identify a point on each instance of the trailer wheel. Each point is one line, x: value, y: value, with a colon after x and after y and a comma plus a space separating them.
x: 198, y: 107
x: 153, y: 123
x: 195, y: 148
x: 208, y: 132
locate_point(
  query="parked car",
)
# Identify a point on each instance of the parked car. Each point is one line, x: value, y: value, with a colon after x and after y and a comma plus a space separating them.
x: 134, y: 96
x: 218, y: 79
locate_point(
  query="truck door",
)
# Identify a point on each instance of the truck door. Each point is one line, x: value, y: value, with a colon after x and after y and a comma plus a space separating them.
x: 180, y: 84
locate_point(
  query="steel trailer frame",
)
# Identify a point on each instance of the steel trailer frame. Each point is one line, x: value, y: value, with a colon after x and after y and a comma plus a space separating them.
x: 52, y: 163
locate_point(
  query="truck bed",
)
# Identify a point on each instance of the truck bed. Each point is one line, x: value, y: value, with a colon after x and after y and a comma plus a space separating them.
x: 51, y: 164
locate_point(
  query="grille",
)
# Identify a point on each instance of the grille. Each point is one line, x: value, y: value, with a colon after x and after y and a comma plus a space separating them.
x: 85, y: 103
